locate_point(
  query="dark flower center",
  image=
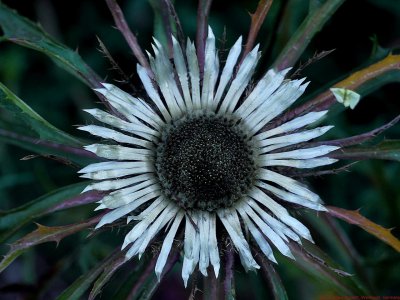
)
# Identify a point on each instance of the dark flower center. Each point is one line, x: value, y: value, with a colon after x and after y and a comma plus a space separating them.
x: 205, y: 163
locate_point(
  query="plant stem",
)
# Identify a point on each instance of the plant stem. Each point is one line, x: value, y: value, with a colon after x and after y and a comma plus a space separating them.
x: 347, y: 245
x: 179, y: 31
x: 315, y: 20
x: 361, y: 138
x: 257, y: 20
x: 82, y: 199
x: 130, y: 38
x: 56, y: 146
x: 201, y: 34
x: 229, y: 280
x: 355, y: 81
x: 272, y: 277
x: 212, y: 286
x: 148, y: 271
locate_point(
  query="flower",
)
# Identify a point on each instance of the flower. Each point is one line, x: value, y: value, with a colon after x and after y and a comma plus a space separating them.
x: 198, y: 152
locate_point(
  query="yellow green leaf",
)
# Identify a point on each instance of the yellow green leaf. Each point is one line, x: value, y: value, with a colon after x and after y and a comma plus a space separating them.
x: 354, y: 217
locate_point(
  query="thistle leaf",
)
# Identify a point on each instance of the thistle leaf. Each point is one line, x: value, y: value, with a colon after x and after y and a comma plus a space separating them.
x: 313, y: 23
x: 23, y: 115
x: 354, y: 217
x: 12, y: 220
x: 388, y: 150
x: 42, y: 235
x: 24, y: 32
x: 273, y: 278
x: 118, y: 261
x: 81, y: 285
x: 319, y: 265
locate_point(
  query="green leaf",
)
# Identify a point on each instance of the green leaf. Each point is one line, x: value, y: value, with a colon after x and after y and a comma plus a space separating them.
x: 319, y: 265
x: 42, y: 235
x: 388, y: 150
x: 142, y: 283
x: 354, y: 217
x: 31, y: 121
x: 82, y: 284
x: 299, y: 41
x: 65, y: 154
x: 108, y: 271
x: 277, y: 288
x: 24, y: 32
x: 163, y: 25
x: 12, y: 220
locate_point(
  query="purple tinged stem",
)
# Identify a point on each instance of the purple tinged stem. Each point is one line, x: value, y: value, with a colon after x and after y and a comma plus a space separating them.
x: 130, y: 38
x: 53, y: 145
x: 82, y: 199
x: 202, y: 31
x: 361, y: 138
x: 229, y: 280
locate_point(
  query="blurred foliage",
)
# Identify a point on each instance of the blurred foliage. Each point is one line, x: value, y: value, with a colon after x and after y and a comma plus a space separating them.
x: 361, y: 32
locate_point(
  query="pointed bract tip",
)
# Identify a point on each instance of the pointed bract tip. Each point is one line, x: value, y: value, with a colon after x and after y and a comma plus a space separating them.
x: 108, y: 86
x: 272, y: 258
x: 100, y: 224
x: 83, y: 128
x: 86, y: 189
x: 216, y: 270
x: 125, y: 243
x: 90, y: 110
x: 91, y: 148
x: 158, y: 274
x: 185, y: 281
x: 100, y: 90
x: 156, y: 42
x: 101, y: 206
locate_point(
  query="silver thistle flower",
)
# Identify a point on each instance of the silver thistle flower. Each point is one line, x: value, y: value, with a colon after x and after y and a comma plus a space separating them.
x: 199, y: 152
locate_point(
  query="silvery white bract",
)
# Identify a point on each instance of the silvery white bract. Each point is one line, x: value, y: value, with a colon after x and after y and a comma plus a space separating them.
x: 135, y: 179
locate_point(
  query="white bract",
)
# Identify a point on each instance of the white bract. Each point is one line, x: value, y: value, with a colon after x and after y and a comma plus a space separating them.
x: 176, y: 91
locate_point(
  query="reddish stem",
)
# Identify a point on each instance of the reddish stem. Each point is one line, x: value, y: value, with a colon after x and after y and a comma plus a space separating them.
x: 257, y: 19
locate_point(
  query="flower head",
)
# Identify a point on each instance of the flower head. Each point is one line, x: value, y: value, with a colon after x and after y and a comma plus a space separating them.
x: 196, y: 156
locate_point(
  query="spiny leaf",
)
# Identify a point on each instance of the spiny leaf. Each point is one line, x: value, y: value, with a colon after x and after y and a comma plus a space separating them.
x: 108, y: 271
x: 354, y: 217
x: 42, y: 235
x: 142, y: 273
x: 69, y: 154
x: 24, y: 32
x: 315, y: 20
x: 318, y: 264
x: 389, y: 150
x: 12, y: 220
x: 25, y: 115
x: 143, y: 283
x: 81, y: 285
x: 272, y: 277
